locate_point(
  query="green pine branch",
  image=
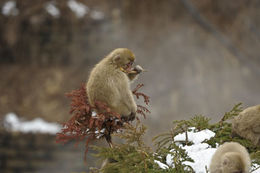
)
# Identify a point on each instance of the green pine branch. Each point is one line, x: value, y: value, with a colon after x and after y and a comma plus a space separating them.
x: 133, y: 155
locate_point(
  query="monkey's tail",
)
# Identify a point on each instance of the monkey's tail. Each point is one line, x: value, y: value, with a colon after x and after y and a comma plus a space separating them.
x: 109, y: 140
x: 108, y: 137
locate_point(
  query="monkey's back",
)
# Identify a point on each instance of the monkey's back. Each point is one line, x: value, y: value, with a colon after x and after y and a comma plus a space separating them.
x: 247, y: 124
x: 105, y: 84
x: 229, y: 147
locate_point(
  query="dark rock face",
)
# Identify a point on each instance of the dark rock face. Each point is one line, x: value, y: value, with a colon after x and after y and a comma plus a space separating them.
x: 40, y: 153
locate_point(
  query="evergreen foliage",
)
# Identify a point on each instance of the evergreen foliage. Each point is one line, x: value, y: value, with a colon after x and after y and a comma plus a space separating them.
x: 223, y: 130
x: 89, y: 123
x: 134, y: 156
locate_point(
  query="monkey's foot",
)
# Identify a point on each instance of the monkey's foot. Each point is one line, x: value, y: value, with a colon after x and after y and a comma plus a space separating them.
x: 127, y: 118
x: 131, y: 117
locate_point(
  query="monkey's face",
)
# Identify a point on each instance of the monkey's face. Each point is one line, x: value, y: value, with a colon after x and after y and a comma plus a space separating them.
x: 128, y: 66
x: 124, y: 59
x: 232, y: 164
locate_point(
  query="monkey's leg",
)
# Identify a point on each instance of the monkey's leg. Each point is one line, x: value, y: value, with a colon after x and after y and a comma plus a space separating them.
x: 126, y: 108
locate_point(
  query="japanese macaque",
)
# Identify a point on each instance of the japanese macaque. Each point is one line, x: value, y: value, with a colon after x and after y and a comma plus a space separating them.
x: 109, y: 82
x: 247, y: 124
x: 231, y: 157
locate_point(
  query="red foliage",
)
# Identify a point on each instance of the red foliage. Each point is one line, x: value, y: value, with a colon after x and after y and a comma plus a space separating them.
x: 85, y: 123
x: 137, y: 94
x: 141, y: 109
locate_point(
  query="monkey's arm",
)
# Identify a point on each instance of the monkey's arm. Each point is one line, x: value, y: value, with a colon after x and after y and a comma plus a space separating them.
x: 127, y: 99
x: 131, y: 106
x: 132, y: 76
x: 130, y: 102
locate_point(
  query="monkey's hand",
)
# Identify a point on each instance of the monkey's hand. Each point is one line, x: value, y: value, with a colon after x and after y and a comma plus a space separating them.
x: 135, y: 72
x: 129, y: 117
x: 138, y: 69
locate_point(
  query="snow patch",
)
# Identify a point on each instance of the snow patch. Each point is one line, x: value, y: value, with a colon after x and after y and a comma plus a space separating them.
x: 97, y: 15
x: 201, y: 154
x: 161, y: 165
x: 78, y: 8
x: 256, y: 171
x: 38, y: 125
x: 195, y: 137
x: 52, y: 10
x: 169, y: 160
x: 9, y: 9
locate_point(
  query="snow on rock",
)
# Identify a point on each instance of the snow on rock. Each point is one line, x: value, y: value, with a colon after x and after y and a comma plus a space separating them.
x: 195, y: 137
x: 78, y: 8
x: 52, y: 9
x: 13, y: 123
x: 161, y: 165
x: 9, y: 9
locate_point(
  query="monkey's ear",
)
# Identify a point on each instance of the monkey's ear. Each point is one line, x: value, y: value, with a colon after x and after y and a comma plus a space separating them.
x: 225, y: 161
x: 116, y: 58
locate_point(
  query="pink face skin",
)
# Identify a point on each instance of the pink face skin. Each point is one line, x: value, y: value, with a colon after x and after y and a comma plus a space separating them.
x: 128, y: 67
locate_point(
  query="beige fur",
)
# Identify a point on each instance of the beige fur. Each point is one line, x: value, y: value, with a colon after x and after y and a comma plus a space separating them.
x: 247, y: 124
x: 231, y: 157
x: 109, y: 83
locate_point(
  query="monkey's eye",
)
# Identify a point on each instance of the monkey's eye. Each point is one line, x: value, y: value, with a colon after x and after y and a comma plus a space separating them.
x: 131, y: 63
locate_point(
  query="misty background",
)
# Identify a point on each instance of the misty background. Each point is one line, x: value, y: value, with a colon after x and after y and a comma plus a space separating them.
x: 202, y: 56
